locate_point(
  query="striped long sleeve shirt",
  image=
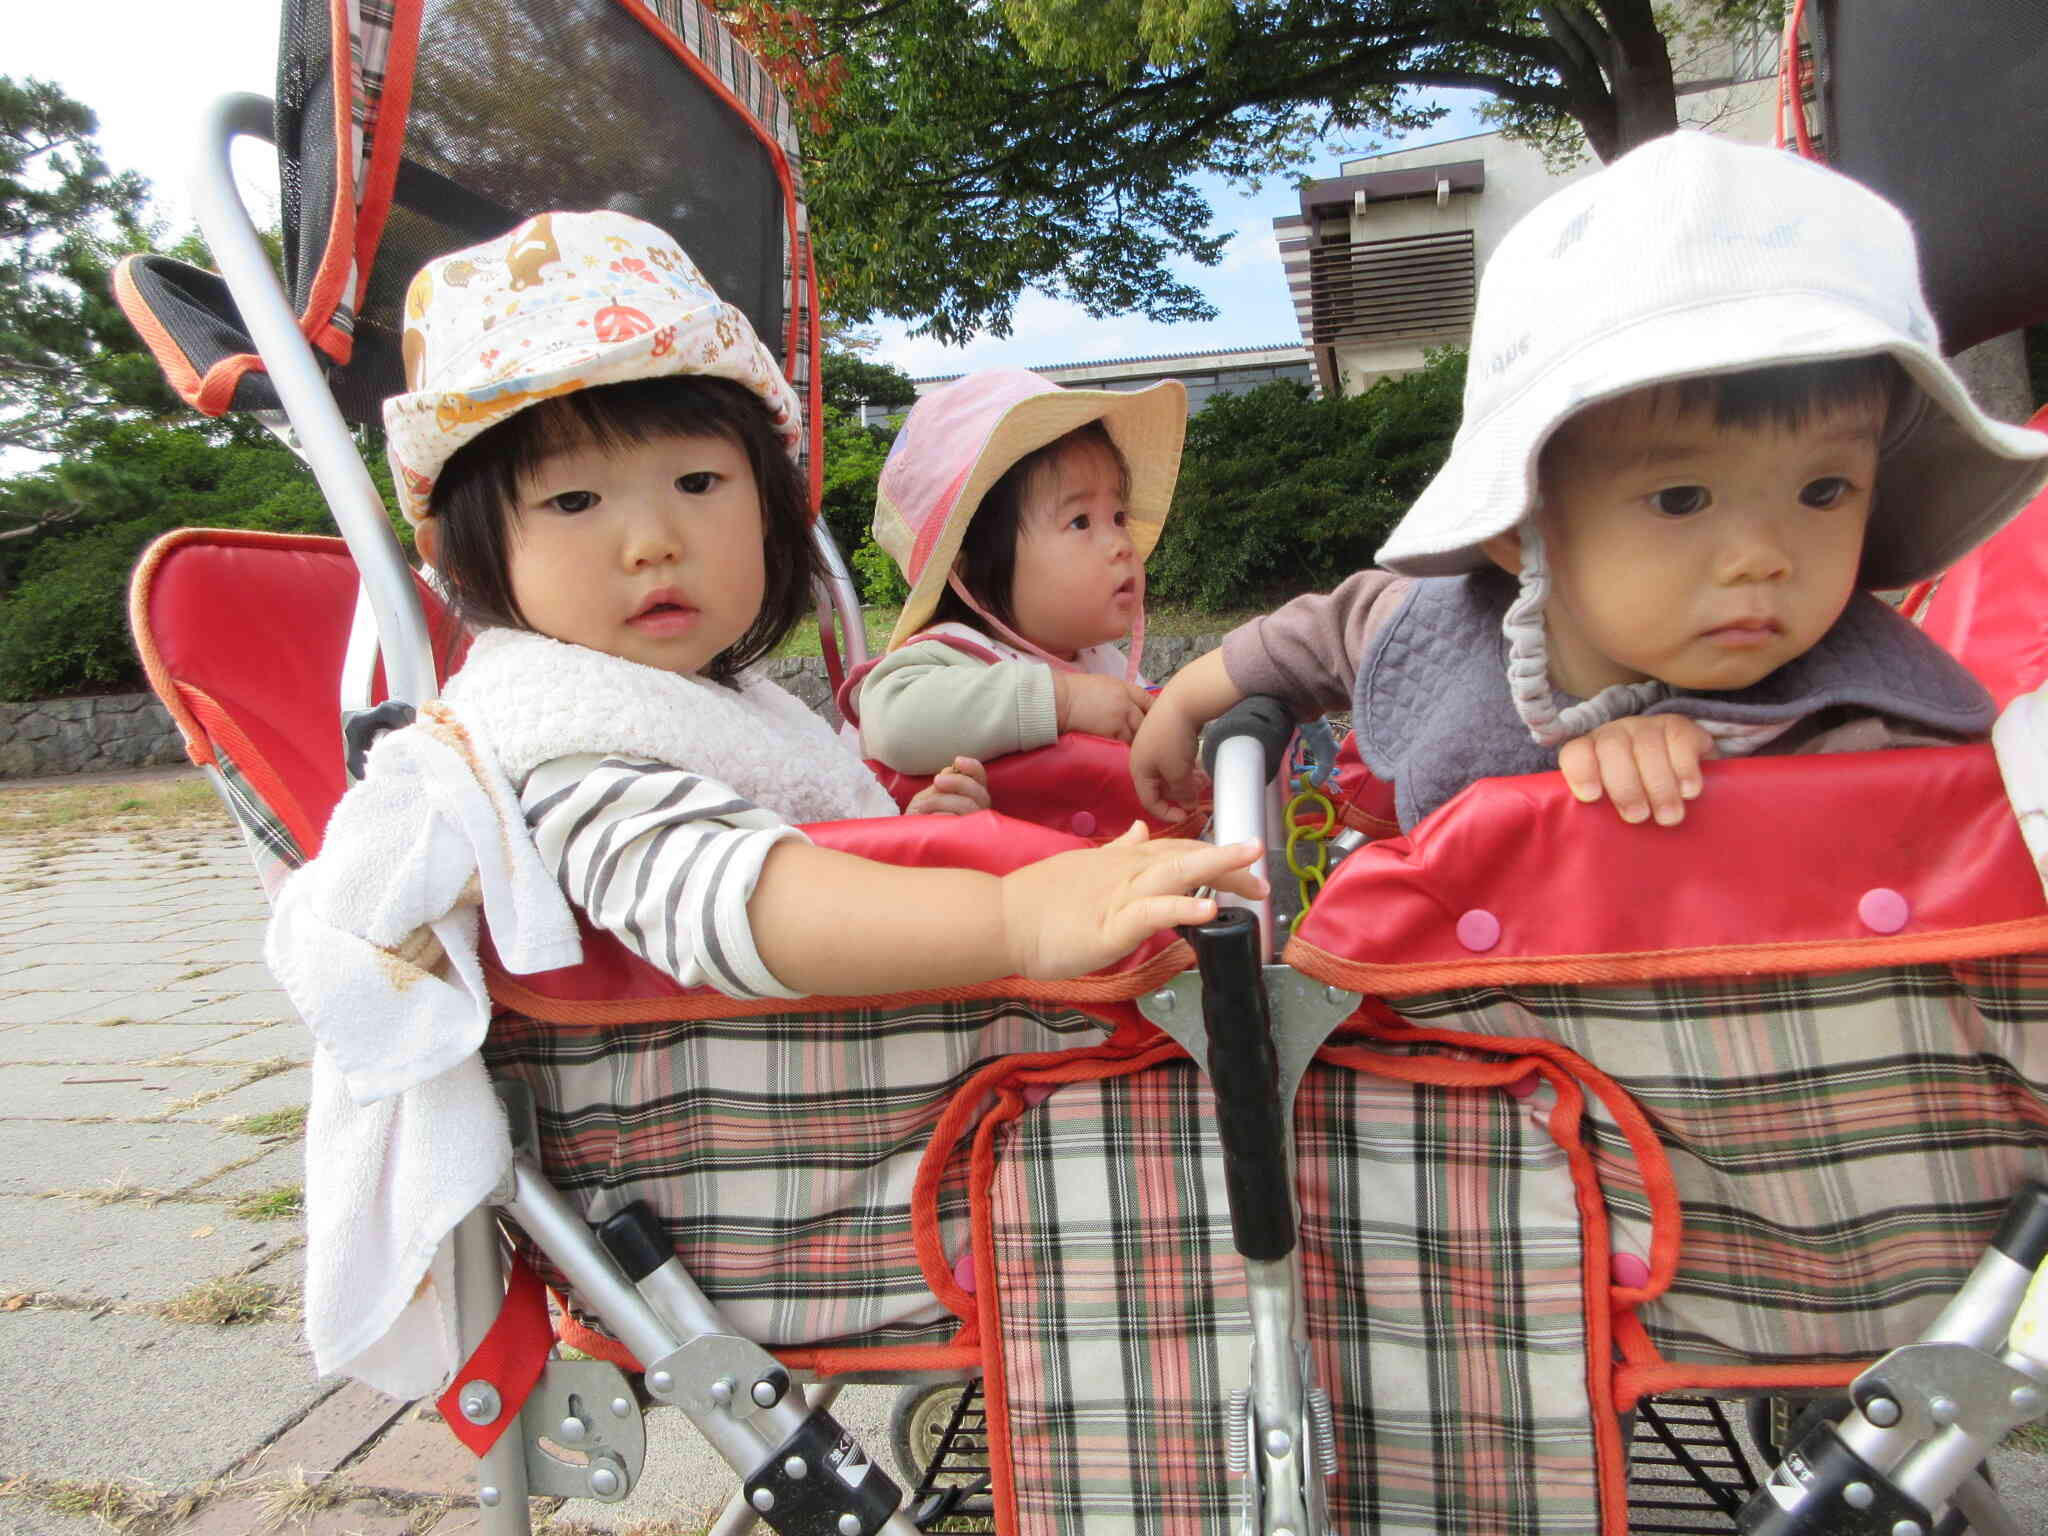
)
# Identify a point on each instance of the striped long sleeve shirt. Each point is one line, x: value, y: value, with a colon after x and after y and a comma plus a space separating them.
x: 663, y: 858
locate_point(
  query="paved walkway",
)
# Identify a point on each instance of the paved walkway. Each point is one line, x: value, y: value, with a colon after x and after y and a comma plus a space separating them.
x: 151, y: 1366
x: 152, y: 1081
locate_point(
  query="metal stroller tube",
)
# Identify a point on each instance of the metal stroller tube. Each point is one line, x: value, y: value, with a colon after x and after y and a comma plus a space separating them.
x: 1927, y: 1414
x: 323, y: 436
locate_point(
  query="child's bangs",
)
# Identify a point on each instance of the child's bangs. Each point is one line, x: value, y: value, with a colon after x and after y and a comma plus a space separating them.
x: 1787, y: 397
x: 613, y: 417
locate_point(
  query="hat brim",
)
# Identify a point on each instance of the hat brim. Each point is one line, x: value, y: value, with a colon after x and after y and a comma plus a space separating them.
x: 1952, y: 478
x: 1149, y: 428
x: 426, y: 427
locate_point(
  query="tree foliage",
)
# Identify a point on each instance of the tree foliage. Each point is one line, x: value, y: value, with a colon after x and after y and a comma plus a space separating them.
x: 1281, y: 494
x: 965, y: 152
x: 70, y: 365
x: 846, y: 379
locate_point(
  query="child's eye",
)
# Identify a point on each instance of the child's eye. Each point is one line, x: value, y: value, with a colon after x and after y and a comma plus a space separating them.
x: 1122, y: 517
x: 1824, y: 492
x: 1680, y: 500
x: 572, y: 501
x: 697, y: 482
x: 1080, y: 522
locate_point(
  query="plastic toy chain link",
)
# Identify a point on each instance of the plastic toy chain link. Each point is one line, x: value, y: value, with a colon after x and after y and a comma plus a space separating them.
x: 1316, y: 742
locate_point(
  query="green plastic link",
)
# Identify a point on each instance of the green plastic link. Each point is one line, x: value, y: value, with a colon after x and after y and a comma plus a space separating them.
x: 1310, y: 869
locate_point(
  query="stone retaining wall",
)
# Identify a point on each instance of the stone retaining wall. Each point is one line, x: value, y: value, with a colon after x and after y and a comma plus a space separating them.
x: 99, y: 734
x: 112, y: 731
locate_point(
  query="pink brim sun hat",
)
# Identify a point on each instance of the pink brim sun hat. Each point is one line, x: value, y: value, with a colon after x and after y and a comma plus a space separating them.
x: 566, y: 301
x: 958, y: 441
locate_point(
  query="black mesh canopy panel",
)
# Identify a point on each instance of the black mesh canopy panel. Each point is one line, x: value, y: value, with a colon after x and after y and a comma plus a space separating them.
x: 1943, y: 108
x: 552, y: 104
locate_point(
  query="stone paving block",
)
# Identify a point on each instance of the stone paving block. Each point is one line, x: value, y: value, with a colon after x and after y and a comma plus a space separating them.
x: 239, y: 1516
x: 84, y: 1044
x: 87, y: 1007
x: 240, y: 1008
x: 256, y: 1040
x: 240, y: 976
x: 24, y: 1516
x: 335, y: 1429
x: 281, y: 1090
x: 271, y: 1167
x: 59, y: 973
x: 125, y: 1092
x: 127, y: 1251
x: 416, y: 1456
x: 137, y: 1397
x: 39, y: 1155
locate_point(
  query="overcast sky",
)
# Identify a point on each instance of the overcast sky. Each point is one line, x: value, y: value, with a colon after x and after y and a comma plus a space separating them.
x: 147, y: 68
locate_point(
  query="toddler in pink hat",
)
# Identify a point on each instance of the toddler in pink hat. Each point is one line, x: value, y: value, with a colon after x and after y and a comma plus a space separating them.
x: 1021, y: 514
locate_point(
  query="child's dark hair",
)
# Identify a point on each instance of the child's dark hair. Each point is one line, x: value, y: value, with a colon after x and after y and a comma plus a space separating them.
x: 481, y: 481
x: 1789, y: 395
x: 988, y: 552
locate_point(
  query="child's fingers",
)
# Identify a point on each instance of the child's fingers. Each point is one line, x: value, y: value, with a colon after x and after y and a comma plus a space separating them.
x: 1184, y: 864
x: 1620, y: 778
x: 1581, y: 769
x: 1658, y: 777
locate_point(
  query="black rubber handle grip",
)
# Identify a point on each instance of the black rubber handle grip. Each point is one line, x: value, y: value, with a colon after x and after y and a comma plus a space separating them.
x: 1261, y: 716
x: 636, y: 1240
x: 1245, y: 1075
x: 2023, y: 1235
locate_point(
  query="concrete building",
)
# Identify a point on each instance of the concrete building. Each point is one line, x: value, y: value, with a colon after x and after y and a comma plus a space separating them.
x: 1206, y: 374
x: 1384, y: 258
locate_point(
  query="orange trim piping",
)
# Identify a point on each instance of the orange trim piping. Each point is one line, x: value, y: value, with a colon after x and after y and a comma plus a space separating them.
x: 393, y: 114
x: 198, y: 745
x: 1398, y: 980
x: 702, y: 1003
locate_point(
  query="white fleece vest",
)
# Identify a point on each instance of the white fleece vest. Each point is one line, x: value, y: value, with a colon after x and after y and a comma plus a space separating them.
x: 531, y: 699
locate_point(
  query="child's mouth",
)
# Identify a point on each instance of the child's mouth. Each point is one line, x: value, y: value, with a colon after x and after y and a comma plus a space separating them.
x: 1745, y: 633
x: 664, y: 616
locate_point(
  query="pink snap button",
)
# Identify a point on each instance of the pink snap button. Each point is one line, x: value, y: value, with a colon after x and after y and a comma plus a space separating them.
x: 1479, y: 929
x: 1628, y: 1270
x: 963, y: 1271
x: 1523, y: 1086
x: 1035, y: 1094
x: 1083, y: 823
x: 1883, y: 910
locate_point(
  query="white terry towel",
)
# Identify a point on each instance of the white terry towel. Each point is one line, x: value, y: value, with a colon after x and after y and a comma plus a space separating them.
x: 375, y: 942
x: 2020, y: 739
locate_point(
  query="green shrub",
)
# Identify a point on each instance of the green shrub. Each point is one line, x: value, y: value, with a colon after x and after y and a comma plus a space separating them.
x: 64, y: 618
x: 881, y: 583
x: 1281, y: 493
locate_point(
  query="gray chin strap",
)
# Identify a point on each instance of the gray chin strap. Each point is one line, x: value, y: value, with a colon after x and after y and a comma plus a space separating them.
x: 1529, y: 663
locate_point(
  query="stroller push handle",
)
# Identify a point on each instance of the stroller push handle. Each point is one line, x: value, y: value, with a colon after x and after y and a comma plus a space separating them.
x: 1245, y: 1076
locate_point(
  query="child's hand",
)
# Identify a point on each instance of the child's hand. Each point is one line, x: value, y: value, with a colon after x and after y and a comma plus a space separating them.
x: 1075, y: 912
x: 1164, y: 767
x: 1648, y: 765
x: 959, y: 790
x: 1099, y: 705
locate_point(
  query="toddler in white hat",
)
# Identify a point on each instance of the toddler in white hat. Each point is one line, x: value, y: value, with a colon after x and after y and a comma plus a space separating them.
x: 1704, y: 414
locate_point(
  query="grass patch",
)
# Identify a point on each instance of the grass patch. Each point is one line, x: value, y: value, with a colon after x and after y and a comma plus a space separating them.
x: 300, y: 1498
x: 113, y: 1192
x: 112, y: 807
x: 287, y: 1202
x: 120, y: 1506
x: 275, y: 1122
x: 2030, y: 1438
x: 226, y: 1302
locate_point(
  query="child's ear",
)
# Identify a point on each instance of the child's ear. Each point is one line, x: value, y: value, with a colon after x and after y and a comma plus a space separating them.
x: 426, y: 538
x: 1505, y: 551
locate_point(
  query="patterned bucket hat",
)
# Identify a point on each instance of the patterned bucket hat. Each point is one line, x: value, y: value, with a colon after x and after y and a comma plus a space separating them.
x: 957, y: 442
x: 564, y: 302
x: 1692, y: 256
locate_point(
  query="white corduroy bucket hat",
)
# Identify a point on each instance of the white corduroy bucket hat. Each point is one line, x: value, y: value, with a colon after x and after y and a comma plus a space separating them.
x: 958, y: 440
x: 564, y: 302
x: 1692, y: 256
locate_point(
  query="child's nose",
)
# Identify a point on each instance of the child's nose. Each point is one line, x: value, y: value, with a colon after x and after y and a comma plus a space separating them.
x: 1756, y: 549
x: 651, y: 539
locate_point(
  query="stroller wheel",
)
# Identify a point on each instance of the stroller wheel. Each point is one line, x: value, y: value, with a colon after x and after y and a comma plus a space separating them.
x: 918, y: 1425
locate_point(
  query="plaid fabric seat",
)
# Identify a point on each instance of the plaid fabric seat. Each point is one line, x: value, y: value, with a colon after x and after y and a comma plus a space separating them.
x: 1441, y: 1249
x: 1841, y: 1145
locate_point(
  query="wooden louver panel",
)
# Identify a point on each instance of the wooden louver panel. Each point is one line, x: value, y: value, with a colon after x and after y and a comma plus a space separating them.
x: 1385, y: 289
